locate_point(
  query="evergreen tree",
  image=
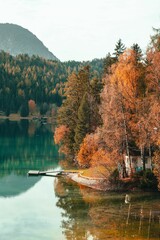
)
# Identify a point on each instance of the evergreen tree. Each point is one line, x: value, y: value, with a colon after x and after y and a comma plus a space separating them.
x: 84, y: 123
x: 96, y: 87
x: 155, y: 39
x: 78, y: 84
x: 7, y: 111
x: 43, y: 108
x: 119, y: 49
x: 136, y: 48
x: 108, y: 61
x: 24, y: 111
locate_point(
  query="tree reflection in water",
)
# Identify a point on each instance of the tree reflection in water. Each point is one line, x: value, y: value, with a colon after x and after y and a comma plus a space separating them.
x: 24, y: 145
x: 89, y: 214
x: 75, y: 210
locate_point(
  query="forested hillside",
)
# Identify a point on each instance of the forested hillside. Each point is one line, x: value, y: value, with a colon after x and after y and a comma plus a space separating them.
x: 33, y: 81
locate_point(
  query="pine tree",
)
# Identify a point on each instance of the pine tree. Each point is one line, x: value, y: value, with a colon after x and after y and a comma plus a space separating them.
x: 83, y: 125
x: 155, y: 39
x: 108, y: 61
x: 78, y: 84
x: 24, y: 112
x: 138, y: 52
x: 119, y: 49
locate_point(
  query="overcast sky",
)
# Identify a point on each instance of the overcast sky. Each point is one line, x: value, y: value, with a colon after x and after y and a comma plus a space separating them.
x: 84, y: 29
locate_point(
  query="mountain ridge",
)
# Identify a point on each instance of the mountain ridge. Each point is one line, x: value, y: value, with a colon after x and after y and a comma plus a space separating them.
x: 16, y: 40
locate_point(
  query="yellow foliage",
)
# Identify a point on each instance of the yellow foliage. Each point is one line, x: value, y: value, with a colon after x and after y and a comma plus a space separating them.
x: 87, y: 150
x: 21, y: 92
x: 60, y: 133
x: 126, y: 75
x: 92, y: 155
x: 101, y: 157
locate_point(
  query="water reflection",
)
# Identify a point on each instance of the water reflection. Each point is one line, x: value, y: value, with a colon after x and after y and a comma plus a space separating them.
x: 13, y: 185
x: 89, y: 214
x: 24, y: 145
x: 85, y: 213
x: 75, y: 211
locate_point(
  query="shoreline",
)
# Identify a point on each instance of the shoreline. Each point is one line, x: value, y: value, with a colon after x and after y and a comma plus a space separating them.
x: 102, y: 184
x: 92, y: 183
x: 17, y: 117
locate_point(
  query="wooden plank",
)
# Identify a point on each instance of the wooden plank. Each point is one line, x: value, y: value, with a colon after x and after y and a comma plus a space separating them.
x: 49, y: 173
x: 33, y: 173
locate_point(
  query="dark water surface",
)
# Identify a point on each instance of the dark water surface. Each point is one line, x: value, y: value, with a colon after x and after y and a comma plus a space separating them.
x: 37, y: 208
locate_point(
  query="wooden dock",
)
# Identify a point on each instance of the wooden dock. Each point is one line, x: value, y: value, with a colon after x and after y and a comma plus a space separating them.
x: 35, y: 173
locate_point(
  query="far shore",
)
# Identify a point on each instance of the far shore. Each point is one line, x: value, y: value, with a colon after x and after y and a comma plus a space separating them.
x: 17, y: 117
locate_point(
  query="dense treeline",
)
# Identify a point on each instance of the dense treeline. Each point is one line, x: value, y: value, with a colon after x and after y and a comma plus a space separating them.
x: 25, y: 78
x: 100, y: 121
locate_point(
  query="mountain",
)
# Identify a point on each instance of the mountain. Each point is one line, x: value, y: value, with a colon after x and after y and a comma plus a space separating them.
x: 16, y: 40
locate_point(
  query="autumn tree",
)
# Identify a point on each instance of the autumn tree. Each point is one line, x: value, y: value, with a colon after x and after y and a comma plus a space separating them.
x: 119, y: 104
x: 153, y: 95
x: 88, y: 148
x: 113, y: 131
x: 32, y: 106
x: 93, y: 154
x: 60, y: 135
x: 148, y: 111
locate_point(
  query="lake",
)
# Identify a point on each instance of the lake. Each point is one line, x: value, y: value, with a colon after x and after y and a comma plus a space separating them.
x: 36, y: 208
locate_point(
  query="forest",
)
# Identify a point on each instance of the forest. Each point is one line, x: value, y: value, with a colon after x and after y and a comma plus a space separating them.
x: 101, y: 120
x: 33, y: 85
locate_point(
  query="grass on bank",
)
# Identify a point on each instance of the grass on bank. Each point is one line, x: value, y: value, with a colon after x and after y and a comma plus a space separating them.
x: 92, y: 172
x: 95, y: 172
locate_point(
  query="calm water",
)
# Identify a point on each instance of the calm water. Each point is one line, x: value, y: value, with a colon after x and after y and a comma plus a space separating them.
x: 56, y: 209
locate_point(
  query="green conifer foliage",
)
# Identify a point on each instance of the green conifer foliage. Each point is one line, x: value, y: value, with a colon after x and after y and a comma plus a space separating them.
x: 119, y: 49
x: 136, y: 48
x: 83, y: 124
x: 24, y: 112
x: 77, y: 85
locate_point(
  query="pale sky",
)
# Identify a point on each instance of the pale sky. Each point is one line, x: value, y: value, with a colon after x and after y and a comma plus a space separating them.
x: 84, y: 29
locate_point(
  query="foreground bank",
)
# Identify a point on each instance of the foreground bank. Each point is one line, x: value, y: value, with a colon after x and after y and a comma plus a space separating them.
x: 139, y: 182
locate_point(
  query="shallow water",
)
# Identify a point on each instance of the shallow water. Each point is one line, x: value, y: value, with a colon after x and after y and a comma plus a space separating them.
x: 36, y: 208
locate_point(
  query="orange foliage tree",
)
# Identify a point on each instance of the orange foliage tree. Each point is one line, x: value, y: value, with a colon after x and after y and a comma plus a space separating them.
x: 124, y: 86
x: 127, y: 76
x: 32, y: 106
x: 87, y: 149
x: 60, y: 135
x: 153, y: 88
x: 92, y: 153
x: 153, y: 93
